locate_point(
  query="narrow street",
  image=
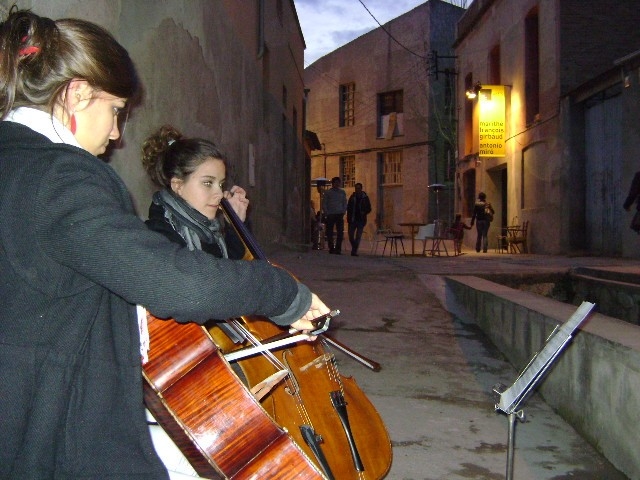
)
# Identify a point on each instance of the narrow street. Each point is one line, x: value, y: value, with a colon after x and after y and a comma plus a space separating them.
x: 434, y: 390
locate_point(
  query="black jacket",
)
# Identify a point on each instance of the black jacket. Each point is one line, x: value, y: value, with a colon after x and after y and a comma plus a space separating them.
x: 479, y: 211
x: 158, y: 223
x: 74, y: 262
x: 634, y: 193
x: 358, y: 208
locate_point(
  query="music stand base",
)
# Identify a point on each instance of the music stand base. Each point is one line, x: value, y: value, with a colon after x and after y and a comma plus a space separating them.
x: 511, y: 443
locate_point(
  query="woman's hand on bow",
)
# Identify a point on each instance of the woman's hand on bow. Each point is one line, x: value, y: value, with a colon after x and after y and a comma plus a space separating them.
x: 317, y: 309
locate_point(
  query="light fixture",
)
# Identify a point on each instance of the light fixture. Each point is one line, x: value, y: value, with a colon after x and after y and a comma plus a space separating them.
x: 473, y: 92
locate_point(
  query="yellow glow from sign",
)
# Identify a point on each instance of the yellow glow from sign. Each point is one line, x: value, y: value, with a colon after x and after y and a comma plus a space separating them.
x: 491, y: 126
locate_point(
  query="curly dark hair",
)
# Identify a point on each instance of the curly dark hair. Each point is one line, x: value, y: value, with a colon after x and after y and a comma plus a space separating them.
x: 168, y: 154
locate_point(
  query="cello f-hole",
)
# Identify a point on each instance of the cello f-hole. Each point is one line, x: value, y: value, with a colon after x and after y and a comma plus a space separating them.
x: 293, y: 388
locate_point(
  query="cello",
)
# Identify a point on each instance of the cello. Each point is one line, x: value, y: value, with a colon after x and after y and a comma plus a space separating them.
x: 324, y: 412
x: 313, y: 424
x: 208, y: 412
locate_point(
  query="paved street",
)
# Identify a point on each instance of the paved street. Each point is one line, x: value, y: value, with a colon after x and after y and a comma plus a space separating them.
x: 438, y: 369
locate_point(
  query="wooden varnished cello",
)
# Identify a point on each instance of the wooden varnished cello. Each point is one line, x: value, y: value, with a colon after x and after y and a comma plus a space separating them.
x: 311, y: 423
x: 210, y: 415
x: 326, y: 413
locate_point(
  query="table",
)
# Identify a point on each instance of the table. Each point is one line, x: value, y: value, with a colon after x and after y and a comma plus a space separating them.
x: 414, y: 229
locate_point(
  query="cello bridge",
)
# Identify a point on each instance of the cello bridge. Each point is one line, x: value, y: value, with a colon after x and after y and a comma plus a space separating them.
x: 318, y: 362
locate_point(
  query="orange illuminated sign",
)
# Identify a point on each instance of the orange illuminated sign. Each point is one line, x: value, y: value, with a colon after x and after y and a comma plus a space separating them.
x: 491, y: 121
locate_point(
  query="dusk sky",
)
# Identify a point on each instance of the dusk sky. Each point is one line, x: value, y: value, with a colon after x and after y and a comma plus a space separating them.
x: 329, y: 24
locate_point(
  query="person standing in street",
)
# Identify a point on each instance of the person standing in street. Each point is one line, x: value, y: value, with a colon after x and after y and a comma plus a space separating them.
x: 634, y: 196
x: 482, y: 213
x: 334, y: 206
x: 358, y: 208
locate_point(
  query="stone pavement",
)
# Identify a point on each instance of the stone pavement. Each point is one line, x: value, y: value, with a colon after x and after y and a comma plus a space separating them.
x: 438, y: 368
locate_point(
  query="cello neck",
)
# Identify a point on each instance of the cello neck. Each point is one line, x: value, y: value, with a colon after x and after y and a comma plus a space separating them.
x: 243, y: 232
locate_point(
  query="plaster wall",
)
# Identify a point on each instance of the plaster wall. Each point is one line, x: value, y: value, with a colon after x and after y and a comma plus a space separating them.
x: 529, y: 148
x: 546, y: 180
x: 204, y: 70
x: 383, y: 60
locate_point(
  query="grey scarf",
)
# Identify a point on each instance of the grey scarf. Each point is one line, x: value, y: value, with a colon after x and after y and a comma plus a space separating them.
x: 190, y: 224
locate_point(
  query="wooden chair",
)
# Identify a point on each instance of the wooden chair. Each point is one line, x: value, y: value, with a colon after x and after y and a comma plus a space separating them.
x: 439, y: 240
x: 438, y: 235
x: 517, y: 238
x: 378, y: 238
x: 424, y: 233
x: 393, y: 239
x: 456, y: 234
x: 502, y: 246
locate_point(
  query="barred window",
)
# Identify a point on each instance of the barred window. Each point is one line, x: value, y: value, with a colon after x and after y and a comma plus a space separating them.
x: 392, y: 168
x: 348, y: 170
x: 347, y: 107
x: 390, y: 114
x: 391, y: 102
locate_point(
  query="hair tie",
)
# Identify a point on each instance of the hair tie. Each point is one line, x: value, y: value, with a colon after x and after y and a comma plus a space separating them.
x: 30, y: 50
x: 171, y: 142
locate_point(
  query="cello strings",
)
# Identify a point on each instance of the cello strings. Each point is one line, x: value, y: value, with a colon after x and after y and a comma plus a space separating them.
x: 251, y: 338
x: 332, y: 367
x: 292, y: 386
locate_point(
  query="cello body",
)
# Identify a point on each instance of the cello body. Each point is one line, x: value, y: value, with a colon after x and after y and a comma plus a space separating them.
x: 304, y: 403
x: 304, y: 398
x: 210, y: 415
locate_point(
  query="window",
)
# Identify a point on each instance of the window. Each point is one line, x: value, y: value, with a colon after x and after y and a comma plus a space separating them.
x: 348, y: 170
x: 494, y: 66
x: 392, y: 168
x: 390, y: 117
x: 347, y: 113
x: 531, y: 67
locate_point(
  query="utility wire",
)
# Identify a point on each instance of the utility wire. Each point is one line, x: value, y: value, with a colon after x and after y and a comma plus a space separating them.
x: 391, y: 36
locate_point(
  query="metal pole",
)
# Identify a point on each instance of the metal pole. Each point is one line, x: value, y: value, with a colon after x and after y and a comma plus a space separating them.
x: 511, y: 445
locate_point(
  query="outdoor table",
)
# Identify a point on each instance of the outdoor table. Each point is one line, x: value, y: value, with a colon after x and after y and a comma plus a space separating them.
x: 414, y: 229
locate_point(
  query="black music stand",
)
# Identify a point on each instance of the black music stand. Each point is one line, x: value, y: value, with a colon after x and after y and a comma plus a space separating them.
x: 510, y: 399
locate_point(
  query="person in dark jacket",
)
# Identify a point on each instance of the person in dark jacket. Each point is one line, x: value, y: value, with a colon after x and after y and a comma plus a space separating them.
x: 482, y: 214
x: 334, y: 206
x: 358, y: 207
x: 80, y: 269
x: 634, y: 196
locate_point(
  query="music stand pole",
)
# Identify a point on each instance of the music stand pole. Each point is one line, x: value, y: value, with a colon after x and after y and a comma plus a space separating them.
x: 512, y: 440
x: 511, y: 398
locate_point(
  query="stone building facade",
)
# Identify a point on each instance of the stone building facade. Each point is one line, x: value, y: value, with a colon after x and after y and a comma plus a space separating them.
x: 224, y: 70
x: 571, y: 83
x: 383, y: 119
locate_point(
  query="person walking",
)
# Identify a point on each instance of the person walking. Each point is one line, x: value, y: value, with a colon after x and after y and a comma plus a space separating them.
x: 358, y: 207
x: 334, y: 206
x: 482, y: 216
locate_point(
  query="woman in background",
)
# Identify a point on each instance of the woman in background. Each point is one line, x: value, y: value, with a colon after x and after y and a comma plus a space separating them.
x: 191, y: 174
x: 482, y: 215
